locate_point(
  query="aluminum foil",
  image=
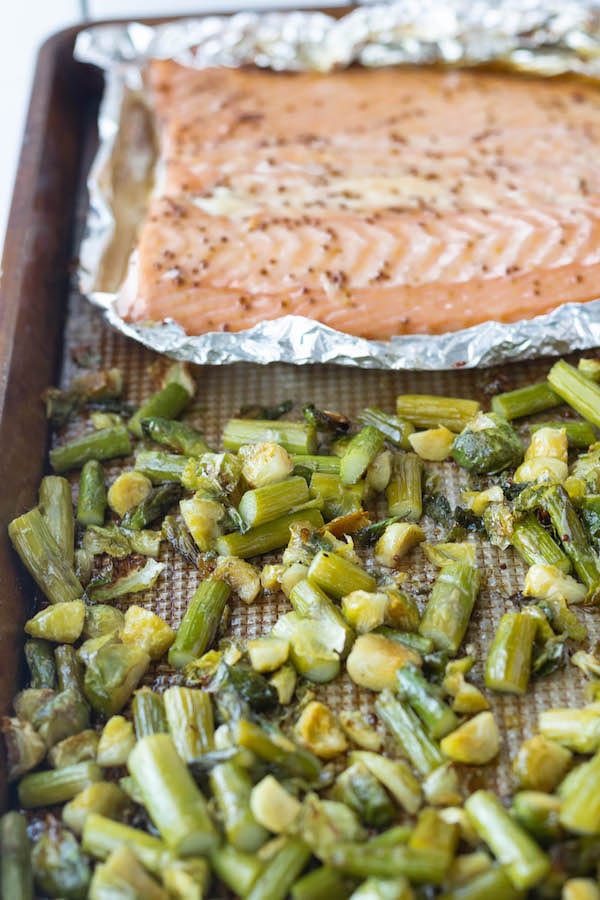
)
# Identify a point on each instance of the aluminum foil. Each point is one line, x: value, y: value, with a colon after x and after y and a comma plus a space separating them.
x: 546, y: 37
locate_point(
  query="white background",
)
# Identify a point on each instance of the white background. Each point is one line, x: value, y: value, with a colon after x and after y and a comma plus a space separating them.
x: 26, y: 24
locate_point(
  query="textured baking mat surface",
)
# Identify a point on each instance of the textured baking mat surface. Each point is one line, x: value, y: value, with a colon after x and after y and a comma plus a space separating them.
x: 222, y: 391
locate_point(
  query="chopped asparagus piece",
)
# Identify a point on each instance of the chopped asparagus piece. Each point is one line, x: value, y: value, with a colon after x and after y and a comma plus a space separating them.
x: 178, y: 436
x: 16, y: 876
x: 200, y: 622
x: 526, y: 865
x: 446, y: 617
x: 40, y: 661
x: 338, y: 576
x: 295, y: 437
x: 190, y: 718
x: 267, y: 537
x: 414, y: 742
x: 168, y: 403
x: 508, y: 665
x: 56, y: 785
x: 405, y: 491
x: 392, y: 427
x: 436, y: 715
x: 160, y: 467
x: 123, y: 876
x: 42, y: 556
x: 426, y: 411
x: 171, y: 796
x: 91, y: 505
x: 576, y: 390
x: 107, y: 443
x: 271, y: 501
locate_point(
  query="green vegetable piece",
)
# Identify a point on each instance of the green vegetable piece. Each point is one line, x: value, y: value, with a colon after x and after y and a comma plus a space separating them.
x: 16, y: 876
x: 405, y: 491
x: 448, y: 611
x: 41, y: 555
x: 63, y: 714
x: 526, y: 865
x: 139, y: 580
x: 360, y: 453
x: 200, y: 622
x: 426, y: 411
x: 112, y: 675
x: 576, y: 390
x: 40, y: 661
x: 56, y: 507
x: 267, y: 537
x: 91, y: 505
x: 508, y: 665
x: 107, y: 443
x: 56, y: 785
x: 168, y: 403
x: 178, y: 436
x: 525, y: 401
x: 172, y: 798
x: 488, y: 444
x: 59, y: 866
x: 295, y: 437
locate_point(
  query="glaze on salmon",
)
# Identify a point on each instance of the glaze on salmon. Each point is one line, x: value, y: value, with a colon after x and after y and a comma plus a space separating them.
x: 380, y: 202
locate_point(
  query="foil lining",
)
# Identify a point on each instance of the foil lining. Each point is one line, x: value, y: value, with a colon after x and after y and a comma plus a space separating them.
x: 545, y: 37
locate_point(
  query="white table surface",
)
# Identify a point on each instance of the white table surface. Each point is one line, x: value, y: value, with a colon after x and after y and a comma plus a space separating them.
x: 26, y: 24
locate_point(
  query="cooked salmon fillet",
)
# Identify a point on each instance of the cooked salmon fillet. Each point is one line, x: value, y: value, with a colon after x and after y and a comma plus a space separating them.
x: 379, y: 202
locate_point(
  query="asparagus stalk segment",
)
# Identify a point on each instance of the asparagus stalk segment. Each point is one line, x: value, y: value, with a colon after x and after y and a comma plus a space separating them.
x: 414, y: 742
x: 42, y: 556
x: 405, y: 490
x: 392, y: 427
x: 40, y: 661
x: 280, y: 873
x: 56, y: 507
x: 419, y: 866
x: 448, y: 612
x: 360, y: 453
x: 526, y: 865
x: 267, y: 537
x: 533, y: 543
x: 177, y: 436
x: 91, y: 505
x: 200, y: 622
x: 166, y: 404
x: 263, y: 504
x: 171, y: 796
x: 16, y: 876
x: 571, y: 532
x: 575, y: 389
x: 295, y: 437
x: 161, y: 467
x: 149, y: 716
x: 102, y: 835
x: 57, y: 785
x: 426, y: 411
x: 435, y: 714
x: 338, y: 576
x: 156, y: 504
x: 237, y: 870
x: 190, y: 717
x: 108, y: 443
x: 494, y: 883
x: 508, y: 665
x: 525, y: 401
x: 231, y: 786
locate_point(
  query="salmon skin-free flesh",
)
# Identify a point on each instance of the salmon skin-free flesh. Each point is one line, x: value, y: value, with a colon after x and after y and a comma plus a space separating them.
x: 379, y: 202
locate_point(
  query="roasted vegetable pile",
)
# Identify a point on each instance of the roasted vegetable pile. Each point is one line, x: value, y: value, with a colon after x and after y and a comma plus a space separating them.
x: 238, y: 777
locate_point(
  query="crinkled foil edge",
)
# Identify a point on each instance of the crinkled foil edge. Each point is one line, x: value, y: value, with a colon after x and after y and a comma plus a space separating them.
x: 546, y: 38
